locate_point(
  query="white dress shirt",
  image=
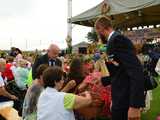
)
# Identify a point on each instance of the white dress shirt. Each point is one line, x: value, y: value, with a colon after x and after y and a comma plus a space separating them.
x: 110, y: 35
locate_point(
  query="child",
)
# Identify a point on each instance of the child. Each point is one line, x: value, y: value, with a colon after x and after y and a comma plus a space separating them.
x: 55, y: 105
x: 101, y: 95
x: 21, y: 74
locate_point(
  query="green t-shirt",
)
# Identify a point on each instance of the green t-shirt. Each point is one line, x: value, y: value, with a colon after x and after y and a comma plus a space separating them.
x: 69, y: 101
x: 29, y: 80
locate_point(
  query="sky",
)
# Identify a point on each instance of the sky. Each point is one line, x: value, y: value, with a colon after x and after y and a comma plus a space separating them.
x: 31, y: 24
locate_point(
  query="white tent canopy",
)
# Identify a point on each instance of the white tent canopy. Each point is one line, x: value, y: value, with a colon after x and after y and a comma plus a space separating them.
x: 124, y: 13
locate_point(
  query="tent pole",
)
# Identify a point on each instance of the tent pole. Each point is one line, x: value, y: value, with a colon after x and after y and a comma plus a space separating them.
x: 69, y: 18
x: 69, y: 27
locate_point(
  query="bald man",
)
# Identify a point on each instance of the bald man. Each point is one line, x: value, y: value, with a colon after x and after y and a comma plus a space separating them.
x: 51, y: 58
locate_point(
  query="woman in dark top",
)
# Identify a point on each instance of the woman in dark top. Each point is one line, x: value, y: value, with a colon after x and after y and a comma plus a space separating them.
x: 76, y: 73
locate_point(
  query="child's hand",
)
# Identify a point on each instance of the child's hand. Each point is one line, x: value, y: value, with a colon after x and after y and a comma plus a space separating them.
x: 97, y: 82
x: 71, y: 84
x: 82, y: 87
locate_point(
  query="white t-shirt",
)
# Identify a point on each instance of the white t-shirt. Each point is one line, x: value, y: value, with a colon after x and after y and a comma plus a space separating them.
x: 1, y: 81
x: 51, y: 106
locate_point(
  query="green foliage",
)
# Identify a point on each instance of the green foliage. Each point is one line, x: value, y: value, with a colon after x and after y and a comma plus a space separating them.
x: 92, y: 36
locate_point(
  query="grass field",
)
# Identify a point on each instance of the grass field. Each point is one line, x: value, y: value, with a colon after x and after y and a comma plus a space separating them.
x: 155, y: 106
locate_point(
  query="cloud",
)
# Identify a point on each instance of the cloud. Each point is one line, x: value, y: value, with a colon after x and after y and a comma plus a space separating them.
x: 14, y: 7
x: 39, y: 20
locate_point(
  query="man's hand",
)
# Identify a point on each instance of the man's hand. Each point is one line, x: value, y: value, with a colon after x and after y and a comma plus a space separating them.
x: 83, y: 100
x: 13, y: 97
x: 87, y: 94
x: 134, y: 113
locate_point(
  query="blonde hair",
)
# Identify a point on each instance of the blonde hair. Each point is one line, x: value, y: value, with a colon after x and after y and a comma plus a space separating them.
x: 103, y: 21
x: 2, y: 61
x: 22, y: 62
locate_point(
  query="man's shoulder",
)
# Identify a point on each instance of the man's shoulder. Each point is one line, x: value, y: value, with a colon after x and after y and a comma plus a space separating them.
x: 35, y: 89
x: 121, y: 38
x: 42, y: 57
x: 121, y: 41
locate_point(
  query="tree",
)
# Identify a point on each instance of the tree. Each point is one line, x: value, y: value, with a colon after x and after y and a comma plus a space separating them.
x: 92, y: 36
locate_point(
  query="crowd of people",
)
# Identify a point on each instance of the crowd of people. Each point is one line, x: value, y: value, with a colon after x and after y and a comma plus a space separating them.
x: 109, y: 83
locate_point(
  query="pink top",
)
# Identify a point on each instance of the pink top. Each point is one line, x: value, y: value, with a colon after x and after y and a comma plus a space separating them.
x: 103, y: 92
x: 92, y: 76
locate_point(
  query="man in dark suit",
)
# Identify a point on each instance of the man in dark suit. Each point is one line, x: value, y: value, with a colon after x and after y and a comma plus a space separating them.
x: 127, y: 79
x: 50, y: 58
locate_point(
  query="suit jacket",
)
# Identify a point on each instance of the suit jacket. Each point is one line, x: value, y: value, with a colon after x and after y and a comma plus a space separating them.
x: 43, y: 60
x: 127, y: 79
